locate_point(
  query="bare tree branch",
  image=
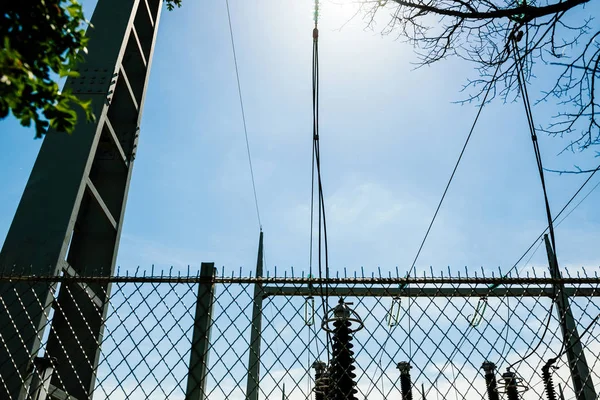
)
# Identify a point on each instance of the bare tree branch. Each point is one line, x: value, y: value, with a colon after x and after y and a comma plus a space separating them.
x: 565, y: 44
x: 577, y: 171
x: 528, y: 12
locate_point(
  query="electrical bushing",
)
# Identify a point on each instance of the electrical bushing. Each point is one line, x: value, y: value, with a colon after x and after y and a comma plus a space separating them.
x: 510, y: 385
x: 547, y: 377
x: 321, y: 380
x: 342, y: 384
x: 405, y: 382
x: 489, y: 369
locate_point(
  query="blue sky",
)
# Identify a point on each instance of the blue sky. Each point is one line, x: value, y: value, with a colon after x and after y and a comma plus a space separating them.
x: 390, y: 136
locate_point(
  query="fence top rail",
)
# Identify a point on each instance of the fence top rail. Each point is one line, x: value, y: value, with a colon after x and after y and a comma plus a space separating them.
x: 400, y: 282
x: 281, y: 275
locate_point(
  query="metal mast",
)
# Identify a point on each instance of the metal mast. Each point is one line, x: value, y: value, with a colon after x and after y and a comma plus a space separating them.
x: 580, y: 371
x: 70, y: 216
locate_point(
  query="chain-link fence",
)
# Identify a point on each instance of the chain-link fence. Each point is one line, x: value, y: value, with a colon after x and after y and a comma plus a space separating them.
x: 218, y: 337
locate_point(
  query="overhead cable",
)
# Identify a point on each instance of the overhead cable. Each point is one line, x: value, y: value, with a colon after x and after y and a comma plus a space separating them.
x: 558, y: 215
x: 536, y: 147
x: 322, y: 247
x: 239, y: 87
x: 487, y: 92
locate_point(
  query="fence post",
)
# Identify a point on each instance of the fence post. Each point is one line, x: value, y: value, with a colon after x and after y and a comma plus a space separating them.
x: 196, y: 382
x: 255, y: 330
x: 580, y: 372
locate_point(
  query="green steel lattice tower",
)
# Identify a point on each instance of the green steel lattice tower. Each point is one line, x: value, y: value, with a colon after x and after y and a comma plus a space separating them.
x: 70, y: 216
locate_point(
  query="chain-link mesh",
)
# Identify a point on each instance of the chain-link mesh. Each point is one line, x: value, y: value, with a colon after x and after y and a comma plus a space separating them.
x: 419, y: 338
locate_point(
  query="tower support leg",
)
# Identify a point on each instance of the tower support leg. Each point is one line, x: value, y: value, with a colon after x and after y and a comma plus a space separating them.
x: 71, y: 213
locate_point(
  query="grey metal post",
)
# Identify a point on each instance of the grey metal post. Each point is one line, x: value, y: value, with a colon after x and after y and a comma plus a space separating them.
x: 252, y: 387
x: 580, y: 372
x: 41, y: 376
x: 196, y: 382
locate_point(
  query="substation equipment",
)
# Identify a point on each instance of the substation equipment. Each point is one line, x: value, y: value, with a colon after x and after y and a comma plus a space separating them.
x: 83, y: 181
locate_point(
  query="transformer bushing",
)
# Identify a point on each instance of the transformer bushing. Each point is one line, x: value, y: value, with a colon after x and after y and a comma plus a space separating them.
x: 321, y: 380
x: 511, y: 385
x: 342, y: 384
x: 405, y: 383
x: 489, y: 369
x: 547, y: 377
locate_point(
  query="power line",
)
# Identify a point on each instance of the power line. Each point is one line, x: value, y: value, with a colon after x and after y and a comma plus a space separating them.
x: 585, y: 331
x: 559, y: 214
x: 546, y: 328
x: 538, y: 157
x: 523, y: 87
x: 316, y: 162
x: 237, y: 75
x: 527, y: 105
x: 536, y: 147
x: 577, y: 205
x: 490, y: 85
x: 487, y: 92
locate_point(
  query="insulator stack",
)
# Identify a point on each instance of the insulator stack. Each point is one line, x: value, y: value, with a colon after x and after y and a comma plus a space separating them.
x: 405, y: 383
x: 510, y: 385
x: 547, y: 377
x: 489, y: 368
x: 321, y: 380
x: 342, y: 384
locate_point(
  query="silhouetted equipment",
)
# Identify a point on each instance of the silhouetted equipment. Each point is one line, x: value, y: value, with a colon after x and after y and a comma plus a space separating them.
x: 405, y: 383
x: 547, y: 377
x: 321, y: 380
x: 342, y: 384
x: 512, y: 385
x: 489, y: 369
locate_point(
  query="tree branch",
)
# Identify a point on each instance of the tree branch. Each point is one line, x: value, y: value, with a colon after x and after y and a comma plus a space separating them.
x: 529, y: 13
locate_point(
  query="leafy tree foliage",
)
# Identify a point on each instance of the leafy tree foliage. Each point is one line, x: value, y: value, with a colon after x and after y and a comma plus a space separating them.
x: 42, y: 40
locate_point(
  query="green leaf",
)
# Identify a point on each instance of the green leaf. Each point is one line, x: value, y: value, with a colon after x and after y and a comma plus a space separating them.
x: 68, y: 73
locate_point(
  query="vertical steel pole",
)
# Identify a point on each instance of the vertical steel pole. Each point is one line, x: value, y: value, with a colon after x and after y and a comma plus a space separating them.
x: 580, y: 372
x: 255, y: 330
x: 196, y: 383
